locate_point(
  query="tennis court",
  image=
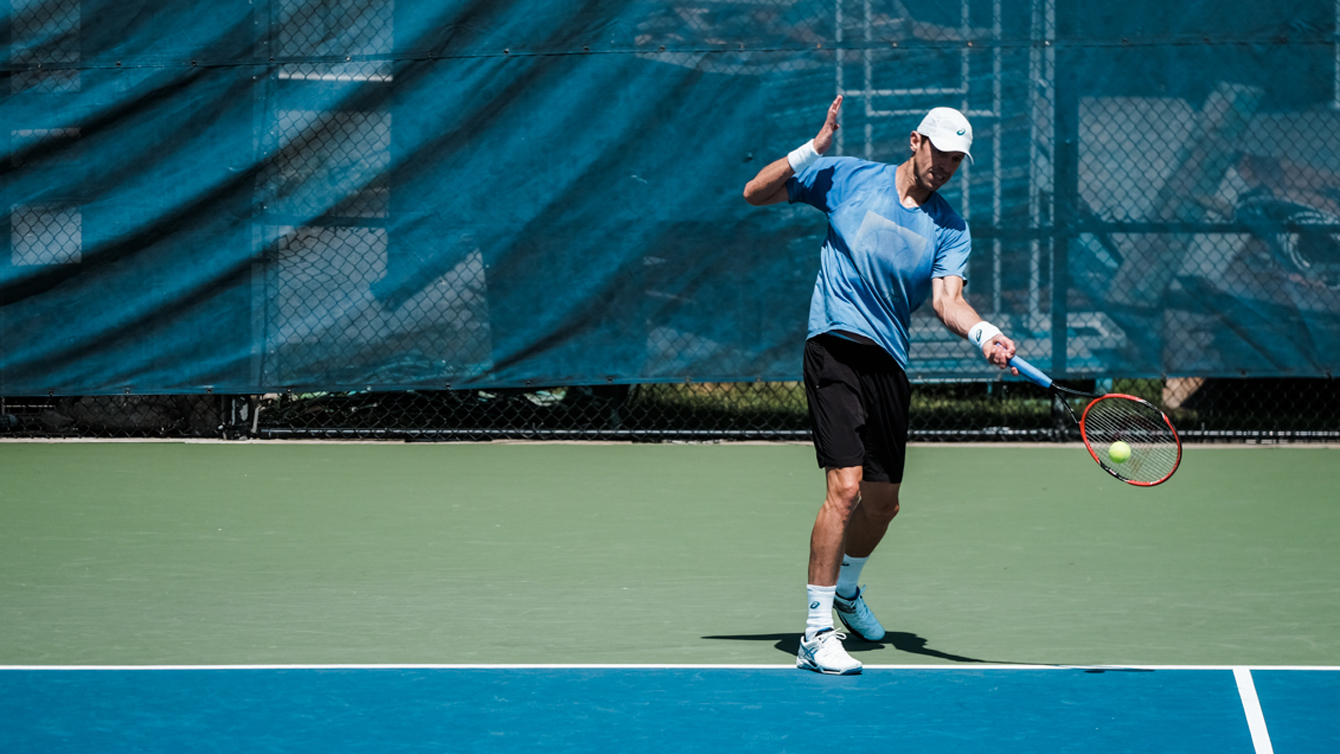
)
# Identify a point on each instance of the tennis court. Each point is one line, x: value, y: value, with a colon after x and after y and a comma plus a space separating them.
x: 244, y: 234
x: 322, y: 596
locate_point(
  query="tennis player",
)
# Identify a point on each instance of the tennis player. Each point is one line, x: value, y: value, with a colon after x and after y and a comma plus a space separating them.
x: 892, y: 243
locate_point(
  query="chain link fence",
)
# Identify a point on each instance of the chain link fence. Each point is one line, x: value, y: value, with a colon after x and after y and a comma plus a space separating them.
x: 1268, y: 410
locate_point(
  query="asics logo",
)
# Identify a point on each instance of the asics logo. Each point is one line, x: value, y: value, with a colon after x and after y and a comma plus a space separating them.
x: 961, y: 132
x: 814, y: 605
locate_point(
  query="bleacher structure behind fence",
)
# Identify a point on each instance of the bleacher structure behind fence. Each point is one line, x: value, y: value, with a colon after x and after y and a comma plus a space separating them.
x: 462, y: 220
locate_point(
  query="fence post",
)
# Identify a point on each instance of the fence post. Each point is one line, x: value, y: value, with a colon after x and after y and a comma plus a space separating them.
x: 1065, y: 195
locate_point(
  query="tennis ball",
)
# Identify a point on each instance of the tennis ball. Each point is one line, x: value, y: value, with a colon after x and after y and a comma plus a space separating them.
x: 1119, y: 452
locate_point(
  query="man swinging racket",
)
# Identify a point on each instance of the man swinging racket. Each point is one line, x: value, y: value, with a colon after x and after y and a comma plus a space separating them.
x: 892, y: 242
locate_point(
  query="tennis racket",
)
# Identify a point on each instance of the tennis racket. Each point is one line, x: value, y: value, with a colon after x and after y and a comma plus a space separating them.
x: 1155, y: 448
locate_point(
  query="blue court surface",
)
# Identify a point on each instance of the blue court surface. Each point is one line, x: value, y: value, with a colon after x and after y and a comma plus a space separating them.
x: 668, y: 708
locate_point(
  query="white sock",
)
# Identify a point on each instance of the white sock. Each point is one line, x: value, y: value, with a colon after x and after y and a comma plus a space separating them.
x: 849, y: 576
x: 821, y: 609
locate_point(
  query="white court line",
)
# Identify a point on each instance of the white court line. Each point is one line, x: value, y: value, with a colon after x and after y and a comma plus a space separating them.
x: 1251, y: 705
x: 665, y: 666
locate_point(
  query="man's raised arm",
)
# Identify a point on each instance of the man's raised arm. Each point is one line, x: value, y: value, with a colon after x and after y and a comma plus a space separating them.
x: 769, y: 186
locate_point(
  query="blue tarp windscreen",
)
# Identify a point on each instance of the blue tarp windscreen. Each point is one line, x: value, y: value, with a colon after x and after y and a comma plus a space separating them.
x: 248, y: 197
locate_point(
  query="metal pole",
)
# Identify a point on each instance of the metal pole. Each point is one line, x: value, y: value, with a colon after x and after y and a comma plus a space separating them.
x: 1041, y: 149
x: 1066, y: 182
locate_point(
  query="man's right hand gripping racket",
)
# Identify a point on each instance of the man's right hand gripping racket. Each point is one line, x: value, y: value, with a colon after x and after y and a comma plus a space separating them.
x: 1155, y: 448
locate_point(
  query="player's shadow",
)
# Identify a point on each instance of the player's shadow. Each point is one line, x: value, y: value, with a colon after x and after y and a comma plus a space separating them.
x: 900, y: 640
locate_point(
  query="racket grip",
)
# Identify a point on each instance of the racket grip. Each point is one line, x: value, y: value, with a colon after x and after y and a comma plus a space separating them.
x: 1031, y: 372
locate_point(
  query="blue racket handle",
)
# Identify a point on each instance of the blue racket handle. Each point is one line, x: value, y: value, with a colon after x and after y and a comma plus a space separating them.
x: 1031, y: 372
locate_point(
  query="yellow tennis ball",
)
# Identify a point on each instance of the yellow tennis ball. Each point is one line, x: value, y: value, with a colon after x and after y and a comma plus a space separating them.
x: 1119, y: 452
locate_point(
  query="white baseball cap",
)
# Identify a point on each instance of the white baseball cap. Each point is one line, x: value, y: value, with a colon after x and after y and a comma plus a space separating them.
x: 948, y: 130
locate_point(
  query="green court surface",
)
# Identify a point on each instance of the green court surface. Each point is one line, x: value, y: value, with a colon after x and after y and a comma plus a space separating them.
x: 275, y: 553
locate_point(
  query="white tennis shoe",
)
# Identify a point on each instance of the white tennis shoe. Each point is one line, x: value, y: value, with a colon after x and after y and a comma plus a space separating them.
x: 857, y: 617
x: 824, y: 654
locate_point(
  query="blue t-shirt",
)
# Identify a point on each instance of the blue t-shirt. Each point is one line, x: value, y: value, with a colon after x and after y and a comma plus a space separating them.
x: 879, y: 258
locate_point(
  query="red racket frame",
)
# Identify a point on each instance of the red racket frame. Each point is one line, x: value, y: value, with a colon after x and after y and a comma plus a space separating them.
x: 1084, y: 434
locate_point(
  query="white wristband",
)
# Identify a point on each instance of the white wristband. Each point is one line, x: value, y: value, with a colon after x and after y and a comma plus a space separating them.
x: 981, y: 333
x: 803, y: 156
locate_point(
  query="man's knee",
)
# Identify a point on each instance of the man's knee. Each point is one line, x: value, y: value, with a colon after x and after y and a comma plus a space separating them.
x: 880, y: 500
x: 844, y: 487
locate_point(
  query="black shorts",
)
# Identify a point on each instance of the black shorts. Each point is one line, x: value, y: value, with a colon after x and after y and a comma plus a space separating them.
x: 858, y: 398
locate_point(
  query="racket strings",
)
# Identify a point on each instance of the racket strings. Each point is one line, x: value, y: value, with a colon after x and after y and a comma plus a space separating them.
x: 1155, y: 450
